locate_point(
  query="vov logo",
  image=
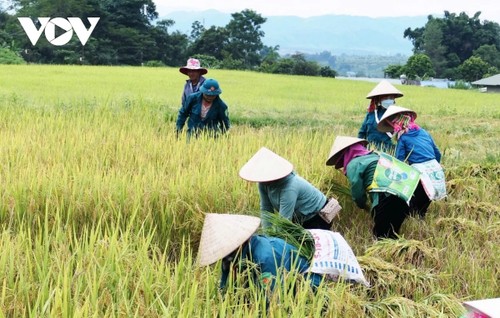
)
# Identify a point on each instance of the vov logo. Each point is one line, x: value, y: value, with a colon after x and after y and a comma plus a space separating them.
x: 49, y: 26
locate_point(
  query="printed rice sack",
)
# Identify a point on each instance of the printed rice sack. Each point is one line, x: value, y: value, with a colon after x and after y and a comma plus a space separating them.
x: 334, y: 258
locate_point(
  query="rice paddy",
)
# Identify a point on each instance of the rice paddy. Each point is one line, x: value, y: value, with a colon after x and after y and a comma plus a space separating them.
x: 101, y: 206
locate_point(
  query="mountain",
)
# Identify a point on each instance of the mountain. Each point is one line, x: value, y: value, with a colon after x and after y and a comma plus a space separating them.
x: 338, y: 34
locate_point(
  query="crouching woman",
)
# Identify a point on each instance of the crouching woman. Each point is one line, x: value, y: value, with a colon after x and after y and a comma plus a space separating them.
x: 387, y: 182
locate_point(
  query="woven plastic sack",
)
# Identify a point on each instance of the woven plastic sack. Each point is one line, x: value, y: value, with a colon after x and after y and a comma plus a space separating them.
x: 334, y: 258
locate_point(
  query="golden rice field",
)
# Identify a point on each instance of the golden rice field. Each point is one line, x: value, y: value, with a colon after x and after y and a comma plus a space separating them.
x: 101, y: 206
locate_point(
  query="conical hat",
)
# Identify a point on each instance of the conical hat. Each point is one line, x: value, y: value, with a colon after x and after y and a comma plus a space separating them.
x: 384, y: 88
x: 487, y: 307
x: 265, y: 166
x: 393, y: 110
x: 224, y: 233
x: 341, y: 143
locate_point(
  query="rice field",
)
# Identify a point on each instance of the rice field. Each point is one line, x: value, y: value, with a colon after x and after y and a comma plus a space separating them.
x: 101, y: 206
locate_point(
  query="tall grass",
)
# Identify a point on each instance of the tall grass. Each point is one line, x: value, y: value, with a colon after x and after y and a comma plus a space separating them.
x: 101, y: 206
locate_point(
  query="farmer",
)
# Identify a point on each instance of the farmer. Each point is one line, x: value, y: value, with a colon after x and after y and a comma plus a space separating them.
x: 195, y: 73
x: 381, y: 97
x: 207, y: 112
x: 388, y: 182
x: 316, y: 254
x: 232, y: 238
x: 284, y: 191
x: 416, y: 146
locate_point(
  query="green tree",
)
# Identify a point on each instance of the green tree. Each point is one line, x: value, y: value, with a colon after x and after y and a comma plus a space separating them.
x: 123, y: 35
x: 433, y: 45
x: 197, y: 30
x: 213, y: 41
x: 10, y: 57
x: 419, y: 66
x: 451, y: 40
x: 245, y: 37
x: 473, y: 69
x: 169, y: 48
x: 303, y: 67
x: 488, y: 53
x: 394, y: 71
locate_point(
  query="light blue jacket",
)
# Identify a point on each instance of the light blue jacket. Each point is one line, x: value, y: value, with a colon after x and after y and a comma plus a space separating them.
x: 293, y: 197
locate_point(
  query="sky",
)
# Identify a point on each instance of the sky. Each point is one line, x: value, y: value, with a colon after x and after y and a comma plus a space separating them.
x: 490, y: 10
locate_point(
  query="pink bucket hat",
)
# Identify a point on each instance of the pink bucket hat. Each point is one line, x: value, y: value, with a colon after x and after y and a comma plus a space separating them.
x: 193, y: 64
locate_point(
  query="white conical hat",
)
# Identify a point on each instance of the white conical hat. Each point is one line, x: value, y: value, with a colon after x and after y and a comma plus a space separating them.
x: 224, y: 233
x: 265, y: 166
x: 384, y: 88
x: 341, y: 143
x: 488, y: 307
x: 384, y: 126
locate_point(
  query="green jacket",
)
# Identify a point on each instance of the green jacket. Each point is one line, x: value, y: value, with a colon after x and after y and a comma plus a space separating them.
x: 360, y: 175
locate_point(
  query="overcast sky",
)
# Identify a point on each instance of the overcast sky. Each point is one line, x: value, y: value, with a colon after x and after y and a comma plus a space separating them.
x: 490, y: 10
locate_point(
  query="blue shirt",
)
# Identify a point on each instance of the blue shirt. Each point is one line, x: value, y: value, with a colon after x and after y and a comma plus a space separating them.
x: 417, y: 146
x: 270, y: 254
x: 293, y: 197
x: 190, y: 89
x: 369, y: 131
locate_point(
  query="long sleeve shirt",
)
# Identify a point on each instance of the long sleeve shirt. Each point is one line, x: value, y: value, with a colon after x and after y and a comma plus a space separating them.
x: 189, y: 88
x: 370, y: 132
x: 216, y: 120
x: 269, y: 255
x: 417, y: 146
x: 360, y: 172
x: 293, y: 197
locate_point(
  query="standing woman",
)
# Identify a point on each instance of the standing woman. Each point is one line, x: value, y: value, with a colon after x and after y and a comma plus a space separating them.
x: 195, y: 73
x: 381, y: 97
x: 282, y: 190
x: 388, y: 183
x: 416, y: 146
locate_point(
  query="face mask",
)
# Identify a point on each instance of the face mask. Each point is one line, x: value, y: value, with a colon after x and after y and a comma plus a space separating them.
x: 387, y: 102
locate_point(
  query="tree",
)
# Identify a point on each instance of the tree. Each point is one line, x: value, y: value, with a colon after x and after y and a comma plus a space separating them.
x: 212, y: 41
x: 124, y: 34
x: 489, y: 54
x: 244, y: 41
x: 419, y: 66
x: 433, y: 47
x: 326, y: 71
x: 473, y: 69
x: 394, y: 71
x: 303, y: 67
x: 169, y: 48
x: 451, y: 40
x: 10, y: 57
x: 197, y: 30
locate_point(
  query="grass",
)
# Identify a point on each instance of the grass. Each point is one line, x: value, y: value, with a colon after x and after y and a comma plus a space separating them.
x: 102, y: 206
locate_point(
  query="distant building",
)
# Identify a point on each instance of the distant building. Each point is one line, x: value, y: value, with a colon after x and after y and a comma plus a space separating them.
x: 489, y: 84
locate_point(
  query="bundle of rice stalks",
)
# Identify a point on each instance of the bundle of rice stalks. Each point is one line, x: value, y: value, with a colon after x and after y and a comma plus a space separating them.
x: 402, y: 252
x: 447, y: 305
x: 400, y: 307
x: 292, y: 233
x: 340, y: 301
x: 387, y: 278
x: 473, y: 209
x: 458, y: 226
x: 493, y: 231
x: 338, y: 187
